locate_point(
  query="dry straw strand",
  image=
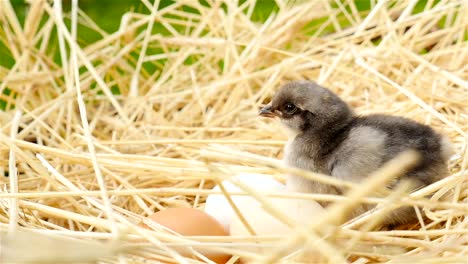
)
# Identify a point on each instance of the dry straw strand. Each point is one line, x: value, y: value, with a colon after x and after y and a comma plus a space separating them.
x: 96, y: 136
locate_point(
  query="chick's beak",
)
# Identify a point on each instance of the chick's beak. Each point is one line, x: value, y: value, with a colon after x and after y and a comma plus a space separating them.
x: 266, y: 111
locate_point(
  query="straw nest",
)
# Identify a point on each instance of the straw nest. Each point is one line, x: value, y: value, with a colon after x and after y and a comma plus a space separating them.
x: 96, y: 137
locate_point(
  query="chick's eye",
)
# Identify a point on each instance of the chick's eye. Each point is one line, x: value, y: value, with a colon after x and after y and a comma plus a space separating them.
x: 290, y: 108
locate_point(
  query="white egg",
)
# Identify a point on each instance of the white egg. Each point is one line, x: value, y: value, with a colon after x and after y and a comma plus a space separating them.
x: 301, y: 211
x: 218, y: 206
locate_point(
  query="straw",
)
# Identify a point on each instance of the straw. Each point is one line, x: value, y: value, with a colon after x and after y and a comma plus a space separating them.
x: 95, y: 137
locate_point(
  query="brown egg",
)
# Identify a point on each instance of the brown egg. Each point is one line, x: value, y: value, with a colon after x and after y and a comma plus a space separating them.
x: 192, y: 222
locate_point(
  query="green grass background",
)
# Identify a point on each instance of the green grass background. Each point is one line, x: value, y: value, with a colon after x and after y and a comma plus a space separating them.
x: 107, y: 15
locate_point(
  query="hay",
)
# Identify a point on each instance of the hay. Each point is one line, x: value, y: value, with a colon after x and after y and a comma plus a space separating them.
x: 85, y: 163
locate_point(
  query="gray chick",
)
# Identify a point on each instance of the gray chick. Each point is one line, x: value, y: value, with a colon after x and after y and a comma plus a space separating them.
x: 330, y: 139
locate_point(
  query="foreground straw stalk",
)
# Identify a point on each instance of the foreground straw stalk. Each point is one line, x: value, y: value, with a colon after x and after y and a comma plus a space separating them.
x: 96, y: 136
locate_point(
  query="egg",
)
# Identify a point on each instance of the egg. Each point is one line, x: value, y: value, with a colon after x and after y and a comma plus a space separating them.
x: 191, y: 222
x: 265, y: 224
x: 218, y: 206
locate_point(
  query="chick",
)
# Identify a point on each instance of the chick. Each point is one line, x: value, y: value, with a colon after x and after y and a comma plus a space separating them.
x: 329, y: 138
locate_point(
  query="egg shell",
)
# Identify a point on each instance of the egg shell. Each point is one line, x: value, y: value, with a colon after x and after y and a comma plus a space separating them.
x: 263, y: 223
x: 218, y: 206
x: 192, y: 222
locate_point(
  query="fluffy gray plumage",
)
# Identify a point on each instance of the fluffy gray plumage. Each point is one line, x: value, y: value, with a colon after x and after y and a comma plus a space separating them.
x: 329, y: 138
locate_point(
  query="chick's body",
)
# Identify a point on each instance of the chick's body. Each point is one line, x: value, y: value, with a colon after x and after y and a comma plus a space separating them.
x: 330, y: 139
x: 362, y: 146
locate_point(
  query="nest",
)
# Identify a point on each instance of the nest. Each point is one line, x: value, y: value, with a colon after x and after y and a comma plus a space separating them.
x: 95, y: 137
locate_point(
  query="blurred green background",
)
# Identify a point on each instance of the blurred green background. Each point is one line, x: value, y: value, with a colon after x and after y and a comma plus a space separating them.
x: 107, y: 15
